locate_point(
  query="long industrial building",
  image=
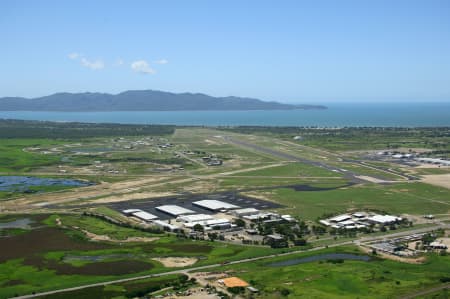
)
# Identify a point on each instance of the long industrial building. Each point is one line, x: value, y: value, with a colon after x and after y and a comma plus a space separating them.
x: 194, y: 218
x: 214, y: 205
x: 144, y: 216
x: 219, y: 223
x: 245, y: 212
x: 166, y: 225
x: 174, y: 210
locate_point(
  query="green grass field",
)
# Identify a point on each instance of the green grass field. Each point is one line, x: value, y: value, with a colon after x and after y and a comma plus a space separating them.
x: 399, y: 198
x: 47, y: 257
x: 293, y: 169
x: 342, y: 279
x: 14, y: 159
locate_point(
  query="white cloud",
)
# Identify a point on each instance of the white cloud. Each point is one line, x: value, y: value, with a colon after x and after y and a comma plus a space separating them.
x: 93, y: 65
x: 142, y: 66
x: 138, y: 66
x: 161, y: 61
x: 73, y: 56
x: 119, y: 62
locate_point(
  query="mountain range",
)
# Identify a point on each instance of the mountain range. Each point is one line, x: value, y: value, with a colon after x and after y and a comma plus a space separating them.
x: 142, y: 100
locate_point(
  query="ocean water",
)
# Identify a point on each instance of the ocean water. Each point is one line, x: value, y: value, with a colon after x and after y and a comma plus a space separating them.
x: 337, y: 115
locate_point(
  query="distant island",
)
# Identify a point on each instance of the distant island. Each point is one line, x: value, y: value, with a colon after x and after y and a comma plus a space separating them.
x: 141, y: 100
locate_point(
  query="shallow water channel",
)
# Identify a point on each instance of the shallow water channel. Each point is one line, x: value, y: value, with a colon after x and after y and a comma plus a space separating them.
x: 97, y: 258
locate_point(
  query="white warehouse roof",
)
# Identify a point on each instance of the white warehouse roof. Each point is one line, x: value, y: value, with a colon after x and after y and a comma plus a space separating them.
x: 174, y: 210
x: 359, y: 215
x: 340, y: 218
x: 211, y: 222
x: 212, y: 204
x: 434, y: 160
x: 246, y: 211
x: 324, y: 222
x: 347, y: 222
x: 145, y: 216
x: 261, y: 216
x: 288, y: 218
x: 384, y: 218
x: 194, y: 218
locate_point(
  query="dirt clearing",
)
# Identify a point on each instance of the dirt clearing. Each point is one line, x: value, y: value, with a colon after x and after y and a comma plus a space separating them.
x: 442, y: 180
x: 101, y: 238
x: 176, y: 262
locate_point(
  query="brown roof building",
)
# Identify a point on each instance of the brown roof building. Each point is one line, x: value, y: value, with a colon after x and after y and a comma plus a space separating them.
x: 232, y: 282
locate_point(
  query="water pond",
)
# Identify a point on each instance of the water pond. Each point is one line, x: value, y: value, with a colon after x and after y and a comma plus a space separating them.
x: 321, y: 257
x: 23, y: 223
x: 97, y: 258
x: 22, y: 183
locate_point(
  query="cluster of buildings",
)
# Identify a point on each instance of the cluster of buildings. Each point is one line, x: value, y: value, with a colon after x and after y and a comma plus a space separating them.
x: 187, y: 218
x: 218, y: 215
x: 435, y: 161
x: 401, y: 246
x: 415, y: 157
x: 359, y: 220
x: 212, y: 161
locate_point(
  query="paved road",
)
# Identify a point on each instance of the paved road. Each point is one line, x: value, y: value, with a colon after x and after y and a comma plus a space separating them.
x: 184, y: 271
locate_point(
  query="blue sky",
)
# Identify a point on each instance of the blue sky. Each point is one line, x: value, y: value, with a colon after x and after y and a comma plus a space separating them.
x: 289, y: 51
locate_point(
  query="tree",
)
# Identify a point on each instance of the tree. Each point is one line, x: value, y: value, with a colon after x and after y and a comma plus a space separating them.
x: 300, y: 242
x: 427, y: 239
x: 198, y: 228
x: 239, y: 222
x: 236, y: 290
x: 213, y: 236
x: 285, y: 292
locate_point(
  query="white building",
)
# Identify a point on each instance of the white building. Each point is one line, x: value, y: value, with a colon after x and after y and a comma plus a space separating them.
x: 220, y: 223
x: 359, y: 215
x: 166, y: 225
x: 245, y: 212
x: 347, y: 222
x: 324, y: 222
x: 434, y: 161
x: 383, y: 219
x: 194, y: 218
x: 214, y: 205
x: 288, y: 218
x: 174, y: 210
x: 340, y: 218
x: 144, y: 216
x: 438, y: 245
x: 261, y: 216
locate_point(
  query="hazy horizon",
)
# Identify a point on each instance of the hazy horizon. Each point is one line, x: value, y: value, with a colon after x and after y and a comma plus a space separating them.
x: 290, y: 52
x: 318, y: 101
